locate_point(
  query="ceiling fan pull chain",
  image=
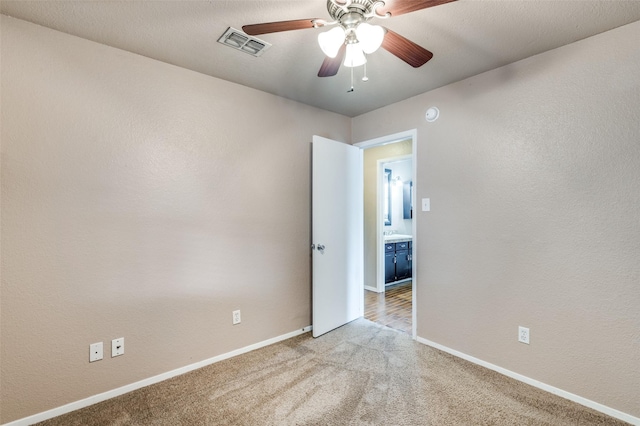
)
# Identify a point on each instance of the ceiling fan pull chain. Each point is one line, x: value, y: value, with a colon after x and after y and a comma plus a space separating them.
x: 351, y: 90
x: 365, y: 78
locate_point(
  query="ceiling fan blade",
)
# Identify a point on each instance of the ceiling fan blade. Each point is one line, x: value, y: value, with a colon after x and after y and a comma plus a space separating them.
x: 399, y: 7
x: 274, y: 27
x: 330, y: 66
x: 405, y: 49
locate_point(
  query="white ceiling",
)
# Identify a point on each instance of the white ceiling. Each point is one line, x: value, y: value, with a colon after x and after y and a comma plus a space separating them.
x: 466, y: 38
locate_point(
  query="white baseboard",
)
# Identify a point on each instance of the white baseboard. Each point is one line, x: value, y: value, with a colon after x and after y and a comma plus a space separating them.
x: 551, y: 389
x: 45, y: 415
x: 391, y: 284
x: 371, y: 288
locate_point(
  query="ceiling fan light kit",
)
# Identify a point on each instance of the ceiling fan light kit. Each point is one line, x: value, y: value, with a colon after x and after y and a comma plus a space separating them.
x: 370, y: 37
x: 355, y: 56
x: 354, y: 36
x: 330, y: 41
x: 359, y: 36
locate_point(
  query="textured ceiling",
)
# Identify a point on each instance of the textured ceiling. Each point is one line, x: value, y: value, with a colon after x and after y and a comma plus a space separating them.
x: 466, y: 37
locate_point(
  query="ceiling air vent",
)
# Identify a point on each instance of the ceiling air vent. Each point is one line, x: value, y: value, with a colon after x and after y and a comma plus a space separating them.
x: 241, y: 41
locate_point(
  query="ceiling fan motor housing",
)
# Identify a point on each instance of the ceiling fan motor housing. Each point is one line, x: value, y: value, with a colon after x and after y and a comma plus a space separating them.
x: 351, y: 13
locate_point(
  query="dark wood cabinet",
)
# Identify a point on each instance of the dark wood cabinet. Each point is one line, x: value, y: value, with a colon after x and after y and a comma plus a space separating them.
x: 389, y: 266
x: 402, y: 265
x: 397, y: 261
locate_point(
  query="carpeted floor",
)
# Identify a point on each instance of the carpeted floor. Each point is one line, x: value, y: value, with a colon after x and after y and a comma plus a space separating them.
x: 359, y: 374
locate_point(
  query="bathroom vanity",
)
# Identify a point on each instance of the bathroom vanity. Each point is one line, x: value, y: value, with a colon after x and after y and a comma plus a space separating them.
x: 397, y: 258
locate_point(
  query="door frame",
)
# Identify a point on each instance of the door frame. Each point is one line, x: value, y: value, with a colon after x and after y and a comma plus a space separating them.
x: 384, y: 140
x: 380, y: 259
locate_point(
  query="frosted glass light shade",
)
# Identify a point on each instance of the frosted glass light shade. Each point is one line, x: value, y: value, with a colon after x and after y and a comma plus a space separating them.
x: 370, y: 37
x: 330, y: 41
x: 355, y: 55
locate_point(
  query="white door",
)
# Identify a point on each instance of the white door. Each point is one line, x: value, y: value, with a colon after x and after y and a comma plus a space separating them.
x: 337, y: 234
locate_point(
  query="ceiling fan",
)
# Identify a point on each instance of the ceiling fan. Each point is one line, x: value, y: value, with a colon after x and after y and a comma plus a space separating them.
x: 353, y: 36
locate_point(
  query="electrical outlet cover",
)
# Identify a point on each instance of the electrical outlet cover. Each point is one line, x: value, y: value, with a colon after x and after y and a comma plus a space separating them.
x: 117, y: 347
x: 523, y: 335
x: 95, y: 352
x: 236, y: 317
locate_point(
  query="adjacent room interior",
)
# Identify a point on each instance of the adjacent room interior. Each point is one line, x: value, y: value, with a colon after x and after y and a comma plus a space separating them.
x: 156, y: 189
x: 388, y: 230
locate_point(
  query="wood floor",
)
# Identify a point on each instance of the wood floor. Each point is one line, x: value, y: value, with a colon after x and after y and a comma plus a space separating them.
x: 391, y: 308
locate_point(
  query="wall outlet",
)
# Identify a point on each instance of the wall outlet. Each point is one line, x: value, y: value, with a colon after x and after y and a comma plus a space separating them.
x: 95, y: 352
x: 523, y: 335
x: 236, y: 317
x: 117, y: 347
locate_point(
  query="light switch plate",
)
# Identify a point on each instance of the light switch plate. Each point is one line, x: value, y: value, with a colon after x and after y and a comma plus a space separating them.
x: 426, y: 204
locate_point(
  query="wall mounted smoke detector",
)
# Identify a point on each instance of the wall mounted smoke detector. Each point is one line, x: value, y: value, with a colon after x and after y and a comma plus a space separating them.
x: 432, y: 114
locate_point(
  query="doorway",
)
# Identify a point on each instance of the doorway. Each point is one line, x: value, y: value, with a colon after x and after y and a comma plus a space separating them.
x: 391, y: 303
x: 392, y: 308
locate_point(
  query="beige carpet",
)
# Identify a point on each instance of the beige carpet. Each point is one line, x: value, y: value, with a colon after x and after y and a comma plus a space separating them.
x: 360, y: 374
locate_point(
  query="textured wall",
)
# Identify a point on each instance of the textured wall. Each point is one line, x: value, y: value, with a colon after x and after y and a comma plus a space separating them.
x: 370, y: 160
x: 146, y: 201
x: 533, y: 171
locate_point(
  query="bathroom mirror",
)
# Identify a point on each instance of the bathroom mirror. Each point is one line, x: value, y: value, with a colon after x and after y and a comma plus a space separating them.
x: 387, y: 197
x: 407, y: 197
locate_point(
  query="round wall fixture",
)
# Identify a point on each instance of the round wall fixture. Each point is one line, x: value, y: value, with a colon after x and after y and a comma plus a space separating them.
x: 432, y: 114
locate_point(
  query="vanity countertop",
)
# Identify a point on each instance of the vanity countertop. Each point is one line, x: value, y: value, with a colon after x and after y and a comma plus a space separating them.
x: 395, y: 238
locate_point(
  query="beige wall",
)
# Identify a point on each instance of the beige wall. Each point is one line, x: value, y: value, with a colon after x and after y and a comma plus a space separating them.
x: 533, y: 171
x: 142, y: 200
x: 370, y: 164
x: 134, y: 194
